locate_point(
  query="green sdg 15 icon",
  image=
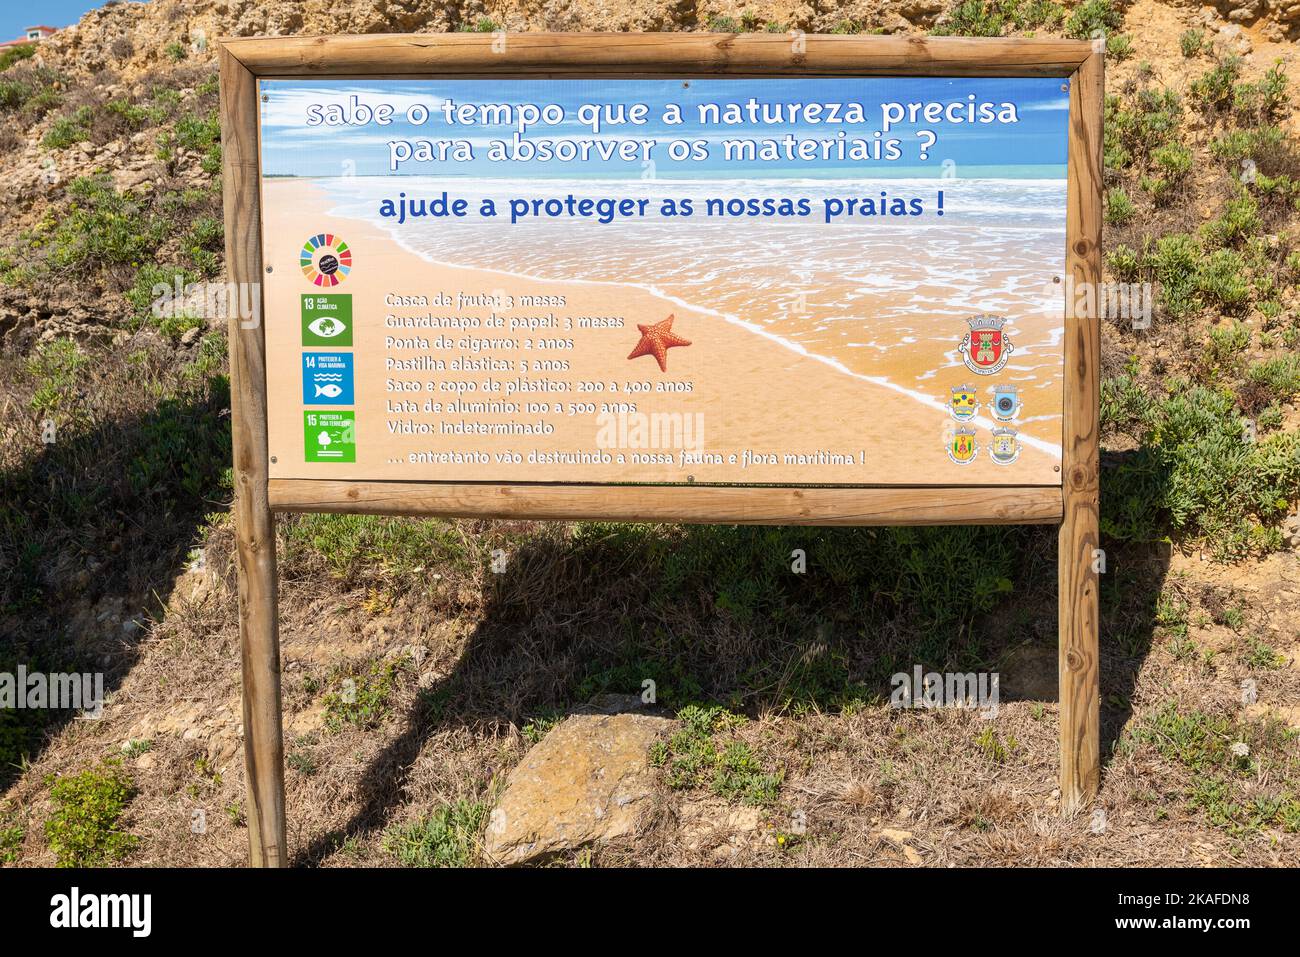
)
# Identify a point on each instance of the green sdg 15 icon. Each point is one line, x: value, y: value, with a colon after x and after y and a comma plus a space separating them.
x: 327, y: 319
x: 329, y: 436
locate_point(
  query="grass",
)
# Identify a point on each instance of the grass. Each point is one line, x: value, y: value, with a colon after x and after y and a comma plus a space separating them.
x: 56, y: 365
x: 946, y: 573
x: 694, y: 757
x: 1216, y: 798
x: 202, y: 134
x: 138, y: 433
x: 1278, y: 377
x: 1197, y: 473
x: 98, y: 235
x: 135, y: 747
x: 802, y: 648
x: 29, y: 92
x: 995, y: 18
x: 1119, y: 208
x: 1119, y: 47
x: 115, y: 236
x: 1198, y: 741
x: 1213, y: 90
x: 481, y: 25
x: 1139, y: 123
x: 1261, y: 655
x: 1193, y: 43
x: 151, y: 280
x: 85, y: 827
x: 1238, y: 222
x: 100, y: 229
x: 449, y: 837
x: 302, y: 762
x: 1227, y: 763
x: 11, y: 841
x: 539, y: 727
x: 1093, y: 18
x: 750, y: 22
x: 360, y: 696
x: 16, y: 54
x: 20, y: 734
x: 674, y: 685
x: 997, y: 749
x: 402, y: 552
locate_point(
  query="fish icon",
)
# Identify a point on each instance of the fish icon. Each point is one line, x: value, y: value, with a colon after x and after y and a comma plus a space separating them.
x: 330, y: 391
x: 326, y: 328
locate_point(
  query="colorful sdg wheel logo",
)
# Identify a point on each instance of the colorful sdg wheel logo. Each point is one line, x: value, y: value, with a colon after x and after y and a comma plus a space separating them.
x: 326, y: 260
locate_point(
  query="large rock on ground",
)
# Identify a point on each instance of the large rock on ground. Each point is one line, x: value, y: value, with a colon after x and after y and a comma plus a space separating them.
x: 585, y: 781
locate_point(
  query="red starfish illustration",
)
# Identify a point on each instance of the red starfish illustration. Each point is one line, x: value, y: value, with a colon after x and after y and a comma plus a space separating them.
x: 656, y: 340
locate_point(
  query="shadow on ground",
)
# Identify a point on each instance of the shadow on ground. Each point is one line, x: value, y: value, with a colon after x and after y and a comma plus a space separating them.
x: 93, y: 530
x: 714, y: 614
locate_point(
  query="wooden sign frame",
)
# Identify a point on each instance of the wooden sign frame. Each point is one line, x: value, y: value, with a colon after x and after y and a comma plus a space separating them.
x: 1073, y: 505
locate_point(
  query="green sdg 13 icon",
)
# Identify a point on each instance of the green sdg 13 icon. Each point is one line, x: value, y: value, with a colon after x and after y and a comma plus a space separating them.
x: 329, y: 436
x: 327, y: 319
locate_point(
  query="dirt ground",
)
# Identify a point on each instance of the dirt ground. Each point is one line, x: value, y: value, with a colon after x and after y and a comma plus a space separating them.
x: 869, y: 785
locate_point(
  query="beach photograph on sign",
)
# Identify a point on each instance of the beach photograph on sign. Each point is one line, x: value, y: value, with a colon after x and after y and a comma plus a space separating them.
x: 789, y: 280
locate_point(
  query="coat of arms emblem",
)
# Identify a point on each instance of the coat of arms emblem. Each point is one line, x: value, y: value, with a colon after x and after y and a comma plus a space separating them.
x: 1006, y: 402
x: 1005, y: 449
x: 985, y: 348
x: 964, y: 403
x: 962, y: 446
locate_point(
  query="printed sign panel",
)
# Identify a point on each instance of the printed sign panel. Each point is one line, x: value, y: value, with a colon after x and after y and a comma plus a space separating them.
x: 754, y: 281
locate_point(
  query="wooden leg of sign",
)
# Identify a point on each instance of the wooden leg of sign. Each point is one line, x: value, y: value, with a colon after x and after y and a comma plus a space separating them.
x: 260, y: 647
x: 259, y: 634
x: 1078, y: 665
x: 1079, y: 556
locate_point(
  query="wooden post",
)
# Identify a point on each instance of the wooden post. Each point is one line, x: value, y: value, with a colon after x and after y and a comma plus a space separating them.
x: 254, y: 524
x: 1079, y: 538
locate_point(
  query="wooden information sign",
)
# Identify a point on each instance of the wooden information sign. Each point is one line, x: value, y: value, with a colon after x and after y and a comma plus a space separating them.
x: 770, y: 279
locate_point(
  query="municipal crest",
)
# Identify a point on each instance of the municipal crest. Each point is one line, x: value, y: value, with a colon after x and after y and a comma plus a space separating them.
x: 962, y: 446
x: 964, y: 403
x: 1006, y: 402
x: 985, y: 348
x: 1005, y: 449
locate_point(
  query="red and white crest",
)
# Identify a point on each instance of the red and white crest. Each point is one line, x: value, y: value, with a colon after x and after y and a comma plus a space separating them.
x: 985, y: 348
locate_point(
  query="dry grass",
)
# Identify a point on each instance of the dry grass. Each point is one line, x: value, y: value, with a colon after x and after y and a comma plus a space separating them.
x: 474, y: 660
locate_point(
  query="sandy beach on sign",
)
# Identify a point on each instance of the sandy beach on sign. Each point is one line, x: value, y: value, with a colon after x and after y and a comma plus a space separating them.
x: 750, y: 392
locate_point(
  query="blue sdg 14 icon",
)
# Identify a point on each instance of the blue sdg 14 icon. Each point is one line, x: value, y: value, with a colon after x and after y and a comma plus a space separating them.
x: 327, y: 378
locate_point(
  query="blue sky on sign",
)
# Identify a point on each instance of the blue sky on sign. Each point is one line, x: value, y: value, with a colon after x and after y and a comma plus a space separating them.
x: 1033, y: 146
x: 15, y: 16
